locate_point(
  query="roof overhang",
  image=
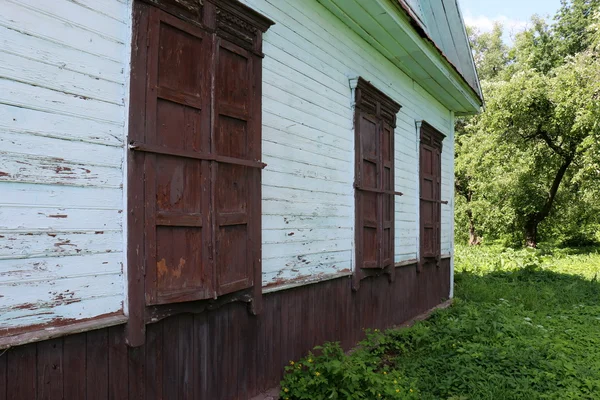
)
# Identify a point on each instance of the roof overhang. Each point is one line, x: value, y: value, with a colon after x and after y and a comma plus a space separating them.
x: 390, y: 29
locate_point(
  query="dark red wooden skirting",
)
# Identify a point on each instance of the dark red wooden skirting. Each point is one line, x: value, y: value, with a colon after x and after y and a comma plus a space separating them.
x: 222, y: 354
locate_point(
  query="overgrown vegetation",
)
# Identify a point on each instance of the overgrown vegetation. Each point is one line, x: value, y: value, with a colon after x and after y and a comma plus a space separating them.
x: 524, y: 325
x: 528, y: 167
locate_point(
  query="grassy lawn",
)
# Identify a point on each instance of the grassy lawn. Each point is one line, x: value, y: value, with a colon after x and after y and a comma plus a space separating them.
x: 525, y: 325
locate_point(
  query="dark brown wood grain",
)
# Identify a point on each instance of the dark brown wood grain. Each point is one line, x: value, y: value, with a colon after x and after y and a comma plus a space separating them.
x: 430, y: 178
x: 374, y: 123
x: 220, y: 354
x: 22, y: 373
x: 195, y: 188
x: 3, y: 382
x: 50, y: 370
x: 97, y: 368
x: 117, y: 355
x: 74, y: 366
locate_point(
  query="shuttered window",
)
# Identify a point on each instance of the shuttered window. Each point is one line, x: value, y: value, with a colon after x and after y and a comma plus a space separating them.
x: 375, y: 120
x: 196, y: 149
x: 430, y: 177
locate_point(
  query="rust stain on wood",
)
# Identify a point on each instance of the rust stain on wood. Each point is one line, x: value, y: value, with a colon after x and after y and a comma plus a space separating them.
x: 161, y: 267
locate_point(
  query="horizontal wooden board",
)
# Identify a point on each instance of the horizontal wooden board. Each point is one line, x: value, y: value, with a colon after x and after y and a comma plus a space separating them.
x: 60, y: 79
x: 214, y: 355
x: 45, y: 269
x: 51, y: 28
x: 55, y: 54
x: 41, y: 98
x: 47, y: 124
x: 54, y: 196
x: 19, y: 245
x: 66, y: 149
x: 24, y: 168
x: 58, y: 219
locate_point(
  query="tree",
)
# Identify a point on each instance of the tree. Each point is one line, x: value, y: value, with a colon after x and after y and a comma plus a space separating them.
x: 533, y: 153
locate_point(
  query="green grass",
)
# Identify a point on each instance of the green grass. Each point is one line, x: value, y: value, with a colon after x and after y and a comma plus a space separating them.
x: 525, y: 325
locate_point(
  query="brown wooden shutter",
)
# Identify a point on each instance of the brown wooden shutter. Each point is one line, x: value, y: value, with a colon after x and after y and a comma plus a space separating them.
x: 197, y: 147
x: 179, y: 265
x: 430, y: 173
x: 236, y: 178
x: 375, y: 120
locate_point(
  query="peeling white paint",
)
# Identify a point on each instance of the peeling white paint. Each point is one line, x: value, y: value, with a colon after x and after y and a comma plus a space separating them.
x: 308, y: 143
x: 62, y: 119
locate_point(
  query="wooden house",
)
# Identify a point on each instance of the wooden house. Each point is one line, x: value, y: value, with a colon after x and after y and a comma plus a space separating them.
x: 195, y: 192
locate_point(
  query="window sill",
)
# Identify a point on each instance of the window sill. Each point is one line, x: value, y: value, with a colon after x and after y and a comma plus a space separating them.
x: 38, y: 334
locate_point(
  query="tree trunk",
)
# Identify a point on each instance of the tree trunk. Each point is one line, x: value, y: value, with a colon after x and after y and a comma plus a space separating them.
x: 534, y: 220
x: 473, y: 238
x: 531, y: 227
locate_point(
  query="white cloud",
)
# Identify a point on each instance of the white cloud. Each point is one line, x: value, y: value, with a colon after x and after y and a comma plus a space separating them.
x: 486, y: 24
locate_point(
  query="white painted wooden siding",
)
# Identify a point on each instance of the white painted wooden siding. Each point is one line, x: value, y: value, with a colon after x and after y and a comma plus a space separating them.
x: 308, y: 143
x: 63, y: 77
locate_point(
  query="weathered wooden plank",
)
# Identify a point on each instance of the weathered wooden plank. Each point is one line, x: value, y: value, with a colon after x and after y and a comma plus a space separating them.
x: 278, y: 250
x: 41, y: 245
x: 288, y: 208
x: 72, y: 13
x: 285, y: 111
x: 338, y: 138
x: 20, y: 120
x: 275, y: 151
x: 40, y: 98
x: 22, y: 383
x: 74, y: 364
x: 34, y: 303
x: 51, y: 196
x: 97, y: 366
x: 58, y: 219
x: 118, y: 371
x: 3, y: 375
x: 311, y: 185
x: 154, y: 361
x: 271, y: 221
x: 28, y: 21
x: 292, y: 83
x: 172, y: 384
x: 115, y: 9
x: 24, y: 168
x: 60, y: 79
x: 50, y: 370
x: 74, y: 151
x: 137, y: 373
x: 304, y: 235
x: 336, y: 151
x: 58, y: 55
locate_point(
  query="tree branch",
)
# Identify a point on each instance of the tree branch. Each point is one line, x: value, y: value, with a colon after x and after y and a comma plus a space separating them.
x: 557, y: 149
x: 554, y: 189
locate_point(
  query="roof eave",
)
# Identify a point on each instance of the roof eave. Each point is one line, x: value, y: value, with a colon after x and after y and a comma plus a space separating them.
x: 388, y: 27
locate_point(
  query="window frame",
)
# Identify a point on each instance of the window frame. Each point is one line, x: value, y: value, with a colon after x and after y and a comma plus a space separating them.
x: 375, y: 106
x: 431, y: 139
x: 222, y: 22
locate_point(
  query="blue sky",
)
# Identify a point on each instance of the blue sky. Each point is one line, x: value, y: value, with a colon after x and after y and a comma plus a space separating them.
x: 514, y: 14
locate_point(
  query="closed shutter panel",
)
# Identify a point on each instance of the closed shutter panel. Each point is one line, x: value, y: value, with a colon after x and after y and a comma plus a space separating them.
x: 375, y: 120
x: 368, y: 185
x: 178, y: 260
x: 388, y: 195
x: 237, y: 171
x: 430, y: 172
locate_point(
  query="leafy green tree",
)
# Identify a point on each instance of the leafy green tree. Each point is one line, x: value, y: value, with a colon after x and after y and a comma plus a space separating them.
x: 531, y: 159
